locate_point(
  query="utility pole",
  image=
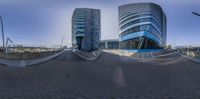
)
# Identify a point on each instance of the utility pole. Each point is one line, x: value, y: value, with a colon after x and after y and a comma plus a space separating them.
x: 2, y: 30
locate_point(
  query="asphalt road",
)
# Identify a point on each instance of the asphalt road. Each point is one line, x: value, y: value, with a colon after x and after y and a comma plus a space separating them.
x: 109, y: 77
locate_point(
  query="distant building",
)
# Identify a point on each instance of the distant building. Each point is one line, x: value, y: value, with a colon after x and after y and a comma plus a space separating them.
x: 142, y: 26
x: 86, y: 29
x: 110, y: 44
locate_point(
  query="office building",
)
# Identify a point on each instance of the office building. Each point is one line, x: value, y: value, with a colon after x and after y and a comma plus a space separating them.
x: 86, y: 29
x: 110, y: 44
x: 142, y: 26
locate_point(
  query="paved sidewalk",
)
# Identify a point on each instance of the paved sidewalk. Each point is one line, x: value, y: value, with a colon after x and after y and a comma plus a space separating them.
x: 27, y: 62
x: 88, y: 55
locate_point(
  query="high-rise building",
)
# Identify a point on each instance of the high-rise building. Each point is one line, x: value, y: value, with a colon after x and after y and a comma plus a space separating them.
x: 86, y: 29
x: 142, y: 26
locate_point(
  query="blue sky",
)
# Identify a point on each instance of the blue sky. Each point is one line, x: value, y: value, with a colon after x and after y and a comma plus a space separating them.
x: 46, y: 22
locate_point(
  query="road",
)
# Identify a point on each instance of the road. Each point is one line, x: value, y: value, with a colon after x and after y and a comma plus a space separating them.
x: 108, y: 77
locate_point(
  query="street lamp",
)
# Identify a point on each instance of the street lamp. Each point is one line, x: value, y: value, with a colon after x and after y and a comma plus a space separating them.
x: 2, y: 31
x: 62, y: 42
x: 174, y: 42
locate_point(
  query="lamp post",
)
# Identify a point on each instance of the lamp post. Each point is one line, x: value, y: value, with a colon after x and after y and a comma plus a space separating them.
x: 174, y: 43
x: 2, y: 30
x: 62, y: 42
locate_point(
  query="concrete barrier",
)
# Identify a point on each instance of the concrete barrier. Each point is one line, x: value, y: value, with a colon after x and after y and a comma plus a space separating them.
x: 27, y: 62
x: 196, y: 60
x: 194, y: 54
x: 191, y: 55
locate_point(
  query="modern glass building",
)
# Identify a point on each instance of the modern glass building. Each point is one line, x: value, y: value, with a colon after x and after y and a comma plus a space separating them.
x: 86, y: 28
x: 142, y: 26
x: 110, y: 44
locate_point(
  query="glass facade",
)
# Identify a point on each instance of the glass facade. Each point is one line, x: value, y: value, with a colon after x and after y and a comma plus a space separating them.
x: 142, y: 26
x: 135, y: 43
x: 110, y: 44
x: 86, y: 29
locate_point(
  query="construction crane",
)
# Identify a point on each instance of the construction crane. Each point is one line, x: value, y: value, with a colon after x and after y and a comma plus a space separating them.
x: 8, y: 43
x: 197, y: 14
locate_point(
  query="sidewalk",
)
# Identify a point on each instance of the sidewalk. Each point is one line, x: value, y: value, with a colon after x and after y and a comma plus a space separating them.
x: 88, y: 55
x: 27, y: 62
x: 140, y: 55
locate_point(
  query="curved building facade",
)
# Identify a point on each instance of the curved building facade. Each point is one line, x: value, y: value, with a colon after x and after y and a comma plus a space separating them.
x: 86, y: 29
x: 110, y: 44
x: 142, y: 26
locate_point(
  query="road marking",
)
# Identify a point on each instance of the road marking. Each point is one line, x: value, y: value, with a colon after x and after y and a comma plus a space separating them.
x: 119, y: 77
x: 22, y: 63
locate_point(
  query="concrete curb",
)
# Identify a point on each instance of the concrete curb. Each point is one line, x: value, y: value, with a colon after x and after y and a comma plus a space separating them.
x: 190, y: 58
x: 163, y: 55
x: 24, y: 63
x: 144, y: 58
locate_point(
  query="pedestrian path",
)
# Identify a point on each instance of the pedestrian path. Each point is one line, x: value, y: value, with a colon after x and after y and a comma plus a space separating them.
x: 88, y: 55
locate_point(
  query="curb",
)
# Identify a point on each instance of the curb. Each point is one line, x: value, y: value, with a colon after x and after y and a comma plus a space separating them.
x: 144, y: 58
x: 24, y: 63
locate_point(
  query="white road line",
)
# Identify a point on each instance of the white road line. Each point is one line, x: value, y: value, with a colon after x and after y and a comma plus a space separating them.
x: 119, y: 77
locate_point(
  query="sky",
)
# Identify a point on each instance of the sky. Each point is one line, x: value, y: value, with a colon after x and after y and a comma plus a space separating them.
x: 48, y: 22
